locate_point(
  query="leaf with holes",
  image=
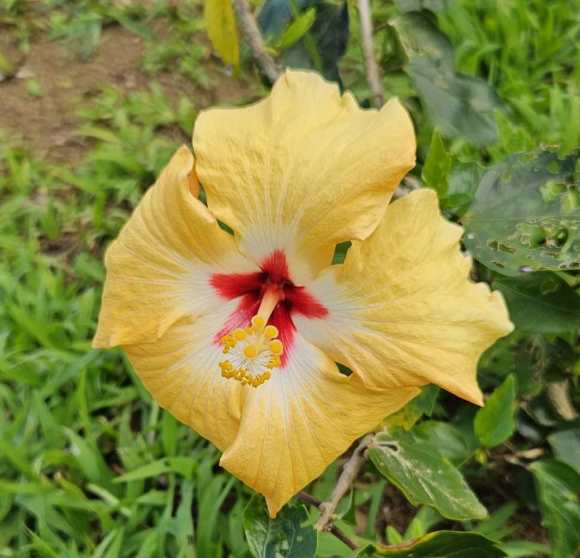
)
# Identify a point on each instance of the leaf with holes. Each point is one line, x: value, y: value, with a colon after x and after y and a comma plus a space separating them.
x: 424, y: 476
x: 526, y: 214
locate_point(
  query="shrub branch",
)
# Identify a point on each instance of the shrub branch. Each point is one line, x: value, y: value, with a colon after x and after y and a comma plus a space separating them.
x: 253, y: 37
x: 366, y: 25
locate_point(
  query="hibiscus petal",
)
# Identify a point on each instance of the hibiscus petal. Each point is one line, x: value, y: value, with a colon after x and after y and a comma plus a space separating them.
x: 402, y: 309
x: 181, y: 370
x: 303, y: 169
x: 160, y: 266
x: 300, y: 421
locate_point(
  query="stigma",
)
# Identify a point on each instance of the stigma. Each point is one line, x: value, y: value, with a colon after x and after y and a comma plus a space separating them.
x: 253, y: 353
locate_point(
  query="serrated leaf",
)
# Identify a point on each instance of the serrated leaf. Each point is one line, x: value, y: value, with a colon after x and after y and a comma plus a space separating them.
x: 220, y: 22
x: 285, y: 536
x: 440, y: 544
x: 540, y: 302
x: 424, y: 476
x: 524, y: 217
x: 495, y: 422
x: 558, y: 489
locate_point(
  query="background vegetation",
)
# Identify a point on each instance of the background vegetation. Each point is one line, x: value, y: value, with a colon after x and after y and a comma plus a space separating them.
x: 95, y: 96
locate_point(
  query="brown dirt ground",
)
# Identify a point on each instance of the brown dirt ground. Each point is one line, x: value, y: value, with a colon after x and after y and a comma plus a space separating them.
x: 47, y: 123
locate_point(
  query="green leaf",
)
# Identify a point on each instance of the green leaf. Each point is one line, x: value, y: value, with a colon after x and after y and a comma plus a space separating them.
x: 440, y: 544
x: 525, y: 549
x: 447, y: 439
x: 419, y: 36
x: 421, y: 405
x: 459, y: 105
x: 495, y: 422
x: 424, y: 476
x: 526, y: 215
x: 285, y: 536
x: 417, y: 5
x: 540, y: 302
x: 220, y: 22
x: 437, y: 165
x: 566, y: 446
x: 558, y: 488
x: 297, y: 29
x: 182, y: 465
x: 464, y: 179
x: 540, y: 359
x: 321, y: 46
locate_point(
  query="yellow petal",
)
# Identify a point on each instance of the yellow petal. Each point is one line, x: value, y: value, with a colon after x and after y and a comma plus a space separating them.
x: 181, y: 371
x: 158, y: 269
x: 403, y: 310
x: 300, y: 421
x: 303, y: 169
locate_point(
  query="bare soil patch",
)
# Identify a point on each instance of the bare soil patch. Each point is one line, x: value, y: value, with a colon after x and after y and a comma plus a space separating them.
x: 47, y: 123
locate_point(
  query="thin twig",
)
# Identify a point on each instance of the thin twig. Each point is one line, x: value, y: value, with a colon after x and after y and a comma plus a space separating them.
x: 333, y: 529
x: 251, y: 33
x: 366, y: 25
x: 344, y: 484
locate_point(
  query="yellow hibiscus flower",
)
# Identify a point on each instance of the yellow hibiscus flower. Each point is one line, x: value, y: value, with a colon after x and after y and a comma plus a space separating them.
x: 238, y: 336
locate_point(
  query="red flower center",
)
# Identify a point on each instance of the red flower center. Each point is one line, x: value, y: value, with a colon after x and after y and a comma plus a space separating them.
x: 250, y: 288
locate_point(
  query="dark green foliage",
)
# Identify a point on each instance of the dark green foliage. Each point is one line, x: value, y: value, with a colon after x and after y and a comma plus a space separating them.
x: 441, y: 544
x: 322, y: 45
x: 526, y: 215
x: 286, y: 535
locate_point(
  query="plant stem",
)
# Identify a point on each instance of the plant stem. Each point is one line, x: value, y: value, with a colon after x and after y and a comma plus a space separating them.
x: 373, y: 78
x: 344, y: 484
x: 251, y: 33
x: 333, y: 529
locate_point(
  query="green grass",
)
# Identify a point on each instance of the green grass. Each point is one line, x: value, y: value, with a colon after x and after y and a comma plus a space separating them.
x: 89, y: 464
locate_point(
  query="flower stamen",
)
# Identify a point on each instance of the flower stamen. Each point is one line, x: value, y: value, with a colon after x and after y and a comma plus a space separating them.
x: 254, y: 351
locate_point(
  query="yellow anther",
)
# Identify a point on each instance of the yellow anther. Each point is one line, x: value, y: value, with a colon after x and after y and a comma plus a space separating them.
x: 258, y: 323
x: 251, y: 351
x: 254, y: 353
x: 276, y: 347
x: 271, y: 332
x: 240, y: 334
x: 274, y: 362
